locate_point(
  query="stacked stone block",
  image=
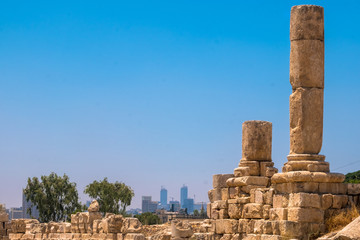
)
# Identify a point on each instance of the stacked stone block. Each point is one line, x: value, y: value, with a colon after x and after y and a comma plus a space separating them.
x: 233, y: 195
x: 240, y: 203
x: 84, y: 226
x: 4, y: 224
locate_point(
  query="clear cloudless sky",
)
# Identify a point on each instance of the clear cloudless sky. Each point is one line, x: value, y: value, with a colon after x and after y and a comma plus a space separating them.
x: 154, y: 93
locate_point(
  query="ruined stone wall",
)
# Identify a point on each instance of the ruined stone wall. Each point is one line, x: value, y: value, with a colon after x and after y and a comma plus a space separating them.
x: 4, y: 223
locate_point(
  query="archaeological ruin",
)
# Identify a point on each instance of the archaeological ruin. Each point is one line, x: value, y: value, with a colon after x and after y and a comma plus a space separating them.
x: 256, y: 201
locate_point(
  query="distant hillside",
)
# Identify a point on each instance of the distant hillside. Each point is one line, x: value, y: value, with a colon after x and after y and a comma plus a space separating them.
x: 353, y: 177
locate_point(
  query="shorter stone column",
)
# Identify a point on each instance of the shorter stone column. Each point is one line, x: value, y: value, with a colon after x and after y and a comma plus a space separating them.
x: 256, y: 150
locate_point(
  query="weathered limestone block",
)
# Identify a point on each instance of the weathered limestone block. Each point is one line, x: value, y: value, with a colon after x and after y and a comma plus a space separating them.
x: 306, y: 120
x: 310, y: 200
x: 242, y: 171
x: 224, y: 193
x: 293, y: 229
x: 223, y: 213
x: 264, y: 166
x: 226, y: 226
x: 340, y: 201
x: 247, y: 189
x: 4, y: 217
x: 19, y: 225
x: 226, y: 236
x: 234, y: 192
x: 94, y: 206
x: 221, y: 204
x: 326, y: 201
x: 78, y: 236
x: 215, y: 213
x: 235, y: 211
x: 208, y: 210
x: 28, y: 236
x: 313, y: 182
x: 248, y: 180
x: 260, y: 195
x: 328, y: 177
x: 64, y: 227
x: 242, y: 200
x: 305, y: 215
x: 267, y: 228
x: 207, y: 226
x: 201, y: 236
x: 334, y: 188
x: 269, y: 195
x: 219, y: 180
x: 97, y: 226
x: 270, y: 171
x: 131, y: 225
x: 254, y: 168
x: 278, y: 214
x: 306, y: 165
x: 308, y: 187
x: 98, y: 236
x: 258, y: 226
x: 242, y: 225
x: 214, y: 194
x: 253, y: 210
x: 83, y: 221
x: 109, y: 236
x: 75, y: 223
x: 307, y: 22
x: 134, y: 236
x: 256, y: 140
x: 15, y: 236
x: 266, y: 211
x: 181, y: 229
x: 307, y: 64
x: 93, y: 216
x: 280, y: 200
x: 353, y: 188
x: 252, y: 237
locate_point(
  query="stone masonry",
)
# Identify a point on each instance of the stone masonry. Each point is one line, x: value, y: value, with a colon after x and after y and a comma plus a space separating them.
x: 256, y: 202
x: 84, y: 225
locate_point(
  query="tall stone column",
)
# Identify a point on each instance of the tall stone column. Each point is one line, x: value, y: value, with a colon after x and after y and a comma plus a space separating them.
x: 304, y: 163
x: 307, y: 81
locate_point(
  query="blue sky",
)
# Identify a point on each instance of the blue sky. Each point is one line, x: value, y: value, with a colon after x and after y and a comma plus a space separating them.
x: 154, y: 93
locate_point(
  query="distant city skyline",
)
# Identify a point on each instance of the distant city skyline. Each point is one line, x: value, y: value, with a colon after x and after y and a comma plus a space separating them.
x: 154, y: 93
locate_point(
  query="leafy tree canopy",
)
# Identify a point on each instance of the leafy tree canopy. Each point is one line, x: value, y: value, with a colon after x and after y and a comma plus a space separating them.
x: 54, y: 196
x: 353, y: 177
x: 112, y: 197
x: 148, y: 218
x: 196, y: 212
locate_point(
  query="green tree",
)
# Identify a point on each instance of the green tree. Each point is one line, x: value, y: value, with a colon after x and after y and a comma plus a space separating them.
x: 353, y: 177
x: 148, y: 218
x: 112, y: 197
x: 203, y: 212
x: 54, y: 196
x: 196, y: 213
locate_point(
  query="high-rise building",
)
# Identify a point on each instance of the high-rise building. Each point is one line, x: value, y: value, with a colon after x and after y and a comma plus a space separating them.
x: 25, y: 206
x: 189, y: 205
x: 183, y: 195
x: 163, y: 197
x: 174, y: 206
x: 147, y: 205
x: 16, y: 213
